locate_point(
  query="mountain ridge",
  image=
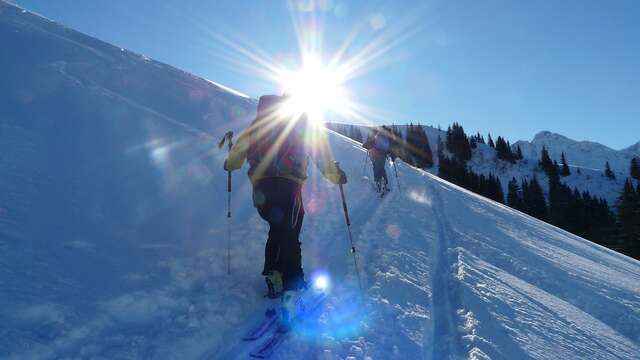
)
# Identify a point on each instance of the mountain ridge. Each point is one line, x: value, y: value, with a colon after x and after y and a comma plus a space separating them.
x: 587, y: 154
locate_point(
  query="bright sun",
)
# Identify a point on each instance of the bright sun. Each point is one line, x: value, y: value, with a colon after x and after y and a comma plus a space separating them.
x: 315, y: 89
x: 319, y: 85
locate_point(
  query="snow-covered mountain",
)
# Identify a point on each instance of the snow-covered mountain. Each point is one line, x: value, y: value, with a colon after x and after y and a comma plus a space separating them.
x: 585, y: 154
x: 586, y: 160
x: 633, y: 150
x: 113, y: 234
x: 484, y: 161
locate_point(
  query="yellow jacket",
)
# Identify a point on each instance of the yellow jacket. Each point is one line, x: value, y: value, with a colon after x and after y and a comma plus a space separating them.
x: 317, y: 148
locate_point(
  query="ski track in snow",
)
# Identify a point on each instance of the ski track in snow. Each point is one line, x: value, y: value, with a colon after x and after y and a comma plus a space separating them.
x: 444, y: 340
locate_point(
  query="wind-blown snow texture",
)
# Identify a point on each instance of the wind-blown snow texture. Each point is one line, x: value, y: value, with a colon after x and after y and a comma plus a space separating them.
x: 113, y: 234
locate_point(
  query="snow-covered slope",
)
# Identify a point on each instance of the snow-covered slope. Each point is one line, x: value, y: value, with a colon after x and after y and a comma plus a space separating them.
x: 113, y: 236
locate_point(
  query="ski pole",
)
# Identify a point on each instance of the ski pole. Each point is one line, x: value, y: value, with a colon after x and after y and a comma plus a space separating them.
x: 396, y: 170
x: 229, y: 221
x: 364, y: 167
x: 353, y: 247
x: 228, y: 137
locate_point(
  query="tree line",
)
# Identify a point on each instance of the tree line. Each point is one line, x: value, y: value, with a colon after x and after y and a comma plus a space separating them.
x: 454, y: 167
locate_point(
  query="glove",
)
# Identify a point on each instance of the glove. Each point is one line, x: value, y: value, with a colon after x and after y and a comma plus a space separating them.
x: 225, y: 166
x: 339, y: 177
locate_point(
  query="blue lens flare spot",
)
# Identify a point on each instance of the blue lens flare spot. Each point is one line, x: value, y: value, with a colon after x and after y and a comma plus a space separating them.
x: 321, y: 282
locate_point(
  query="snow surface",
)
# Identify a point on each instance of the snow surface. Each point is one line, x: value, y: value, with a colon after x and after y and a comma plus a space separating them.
x: 113, y: 234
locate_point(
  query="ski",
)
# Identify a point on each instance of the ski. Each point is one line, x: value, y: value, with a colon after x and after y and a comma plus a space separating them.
x: 271, y: 318
x: 266, y: 349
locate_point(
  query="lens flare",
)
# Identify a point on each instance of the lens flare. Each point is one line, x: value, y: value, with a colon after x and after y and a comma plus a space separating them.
x: 315, y: 89
x: 318, y: 76
x: 321, y: 282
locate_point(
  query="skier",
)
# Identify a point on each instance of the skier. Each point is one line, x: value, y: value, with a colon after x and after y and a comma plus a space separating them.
x: 277, y: 147
x: 378, y: 147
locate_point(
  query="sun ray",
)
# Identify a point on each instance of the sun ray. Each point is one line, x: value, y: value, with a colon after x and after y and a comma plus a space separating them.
x: 319, y: 86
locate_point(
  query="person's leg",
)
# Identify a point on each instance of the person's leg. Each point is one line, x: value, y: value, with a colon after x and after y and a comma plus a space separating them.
x: 378, y: 171
x: 384, y: 176
x: 269, y: 210
x: 290, y: 259
x: 373, y: 165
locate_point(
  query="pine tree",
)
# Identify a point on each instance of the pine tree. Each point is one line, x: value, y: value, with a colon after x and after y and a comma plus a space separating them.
x: 490, y: 141
x: 418, y: 148
x: 411, y: 143
x: 423, y: 155
x: 635, y: 168
x: 514, y: 196
x: 458, y: 143
x: 526, y: 196
x: 628, y: 205
x: 545, y: 162
x: 503, y: 150
x: 497, y: 193
x: 560, y: 202
x: 537, y: 204
x: 556, y: 169
x: 608, y: 172
x: 400, y: 144
x: 457, y: 172
x: 577, y: 216
x: 519, y: 153
x: 565, y: 167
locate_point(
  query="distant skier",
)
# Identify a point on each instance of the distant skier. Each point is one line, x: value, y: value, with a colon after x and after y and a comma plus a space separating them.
x: 378, y: 145
x: 277, y: 147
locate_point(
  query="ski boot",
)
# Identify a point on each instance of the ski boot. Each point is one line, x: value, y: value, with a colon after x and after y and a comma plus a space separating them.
x: 274, y: 284
x: 290, y: 307
x: 379, y: 186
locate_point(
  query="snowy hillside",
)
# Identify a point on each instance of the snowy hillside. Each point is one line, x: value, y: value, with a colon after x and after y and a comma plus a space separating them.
x: 484, y: 161
x: 586, y: 156
x: 113, y: 234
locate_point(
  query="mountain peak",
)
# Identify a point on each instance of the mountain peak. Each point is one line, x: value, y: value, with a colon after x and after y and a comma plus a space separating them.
x: 586, y: 154
x: 544, y: 136
x: 634, y: 149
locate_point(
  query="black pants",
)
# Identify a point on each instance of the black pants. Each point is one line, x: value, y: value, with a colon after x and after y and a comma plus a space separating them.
x: 279, y: 202
x: 379, y: 171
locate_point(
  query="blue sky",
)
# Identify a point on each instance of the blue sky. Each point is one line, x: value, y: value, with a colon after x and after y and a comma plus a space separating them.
x: 509, y: 67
